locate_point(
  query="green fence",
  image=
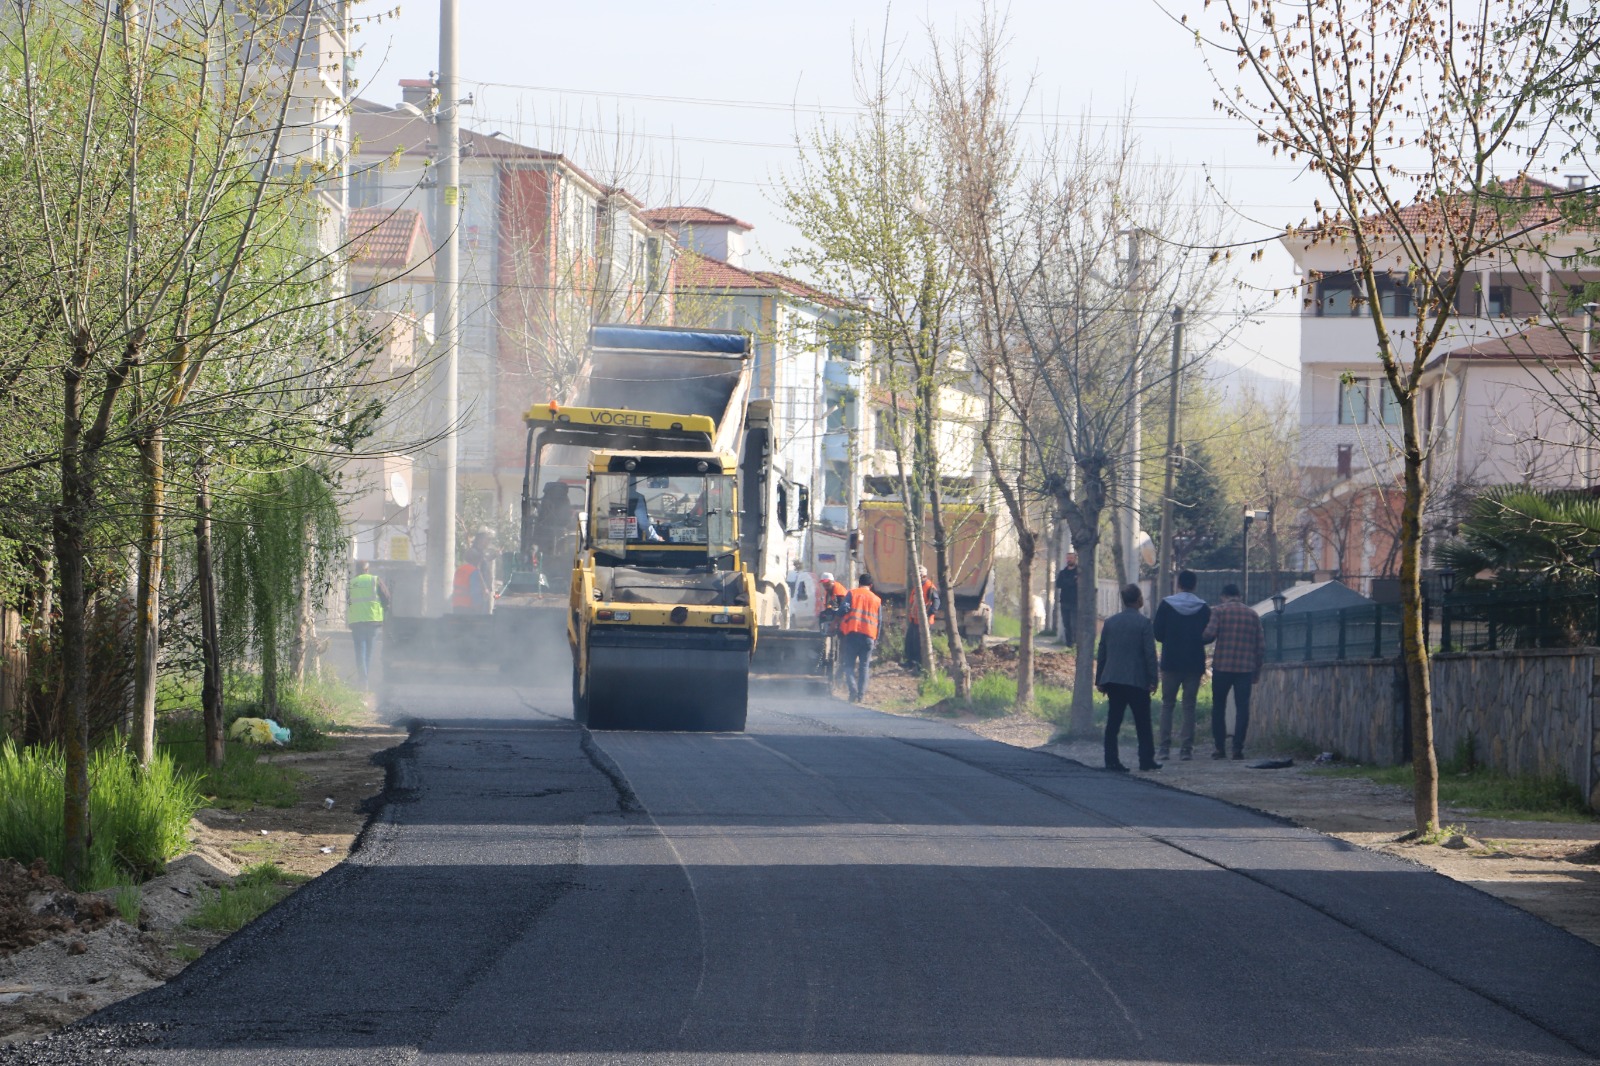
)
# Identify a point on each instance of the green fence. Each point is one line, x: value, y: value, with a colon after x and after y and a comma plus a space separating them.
x: 1469, y: 622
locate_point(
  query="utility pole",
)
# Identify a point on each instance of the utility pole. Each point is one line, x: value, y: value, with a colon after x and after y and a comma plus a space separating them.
x: 1133, y: 466
x: 446, y: 309
x: 1164, y: 567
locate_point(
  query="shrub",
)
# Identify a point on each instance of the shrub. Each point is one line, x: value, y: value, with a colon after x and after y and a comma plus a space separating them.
x: 140, y: 816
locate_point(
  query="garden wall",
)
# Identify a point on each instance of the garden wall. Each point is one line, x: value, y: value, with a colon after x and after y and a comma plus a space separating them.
x: 1527, y: 712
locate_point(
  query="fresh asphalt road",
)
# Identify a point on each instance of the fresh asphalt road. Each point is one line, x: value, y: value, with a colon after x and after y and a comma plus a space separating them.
x: 837, y: 886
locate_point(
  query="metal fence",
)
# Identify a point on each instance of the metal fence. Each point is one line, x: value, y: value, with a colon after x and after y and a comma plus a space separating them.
x: 1367, y: 631
x: 1489, y: 621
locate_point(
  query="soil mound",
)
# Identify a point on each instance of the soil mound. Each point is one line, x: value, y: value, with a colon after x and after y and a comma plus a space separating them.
x: 35, y: 906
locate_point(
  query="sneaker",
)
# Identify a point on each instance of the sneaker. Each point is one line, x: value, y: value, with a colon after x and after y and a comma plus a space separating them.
x: 1186, y: 754
x: 1149, y: 767
x: 1164, y: 753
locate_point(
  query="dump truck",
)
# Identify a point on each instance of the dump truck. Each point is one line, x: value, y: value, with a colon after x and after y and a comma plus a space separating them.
x: 969, y: 532
x: 677, y: 576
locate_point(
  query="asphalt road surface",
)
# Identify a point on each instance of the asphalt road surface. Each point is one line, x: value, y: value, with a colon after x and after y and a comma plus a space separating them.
x: 842, y: 887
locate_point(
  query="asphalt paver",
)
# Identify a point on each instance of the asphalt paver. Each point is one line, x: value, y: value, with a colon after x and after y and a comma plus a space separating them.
x: 840, y: 886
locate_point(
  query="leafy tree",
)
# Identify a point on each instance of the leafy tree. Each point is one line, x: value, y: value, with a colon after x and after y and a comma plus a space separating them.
x: 1205, y: 517
x: 1526, y: 537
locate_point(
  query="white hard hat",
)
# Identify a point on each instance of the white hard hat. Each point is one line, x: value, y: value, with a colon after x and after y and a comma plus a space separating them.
x: 922, y: 571
x: 827, y: 577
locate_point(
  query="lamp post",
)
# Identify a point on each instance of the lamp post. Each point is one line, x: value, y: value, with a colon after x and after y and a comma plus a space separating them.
x: 1244, y: 581
x: 1447, y: 581
x: 1278, y: 601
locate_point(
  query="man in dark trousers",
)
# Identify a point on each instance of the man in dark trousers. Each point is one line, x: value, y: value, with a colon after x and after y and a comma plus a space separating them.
x: 858, y: 632
x: 1126, y: 671
x: 1241, y: 648
x: 1180, y: 626
x: 1067, y: 597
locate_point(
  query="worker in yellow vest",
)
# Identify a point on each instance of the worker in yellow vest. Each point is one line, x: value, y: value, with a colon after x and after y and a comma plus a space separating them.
x: 858, y: 633
x: 365, y: 601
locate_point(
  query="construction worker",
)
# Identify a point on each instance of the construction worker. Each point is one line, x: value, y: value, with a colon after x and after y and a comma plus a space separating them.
x: 930, y: 603
x: 365, y: 599
x: 858, y: 632
x: 831, y: 600
x: 472, y: 591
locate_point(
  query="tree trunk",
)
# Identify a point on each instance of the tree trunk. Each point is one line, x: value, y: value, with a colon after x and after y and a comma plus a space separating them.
x: 960, y: 672
x: 269, y: 670
x: 210, y: 639
x: 69, y: 528
x: 1413, y: 634
x: 1117, y: 559
x: 1027, y: 548
x: 147, y: 606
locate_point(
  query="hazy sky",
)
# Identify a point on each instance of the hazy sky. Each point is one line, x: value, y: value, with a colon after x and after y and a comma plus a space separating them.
x: 708, y: 97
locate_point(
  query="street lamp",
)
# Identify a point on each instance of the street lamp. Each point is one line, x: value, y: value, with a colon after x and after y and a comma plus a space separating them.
x: 1250, y: 516
x: 1278, y: 600
x: 1447, y: 581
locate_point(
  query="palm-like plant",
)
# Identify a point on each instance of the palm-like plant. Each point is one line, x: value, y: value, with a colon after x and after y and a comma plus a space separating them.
x: 1526, y: 537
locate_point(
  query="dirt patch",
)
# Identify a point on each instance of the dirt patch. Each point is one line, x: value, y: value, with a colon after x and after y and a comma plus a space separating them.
x: 1543, y: 867
x: 64, y: 955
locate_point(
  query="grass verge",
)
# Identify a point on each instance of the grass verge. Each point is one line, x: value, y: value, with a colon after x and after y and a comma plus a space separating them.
x: 257, y: 889
x: 1488, y: 792
x: 140, y: 816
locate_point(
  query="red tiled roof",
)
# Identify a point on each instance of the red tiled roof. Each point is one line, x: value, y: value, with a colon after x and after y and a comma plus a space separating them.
x: 795, y: 287
x: 698, y: 271
x: 1527, y: 202
x: 692, y: 216
x: 384, y: 238
x: 1540, y: 343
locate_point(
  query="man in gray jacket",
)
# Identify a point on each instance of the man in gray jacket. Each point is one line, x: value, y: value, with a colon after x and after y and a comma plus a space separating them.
x: 1126, y: 671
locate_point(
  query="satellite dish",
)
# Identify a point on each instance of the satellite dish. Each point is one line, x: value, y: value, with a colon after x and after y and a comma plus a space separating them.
x: 1145, y: 548
x: 399, y: 490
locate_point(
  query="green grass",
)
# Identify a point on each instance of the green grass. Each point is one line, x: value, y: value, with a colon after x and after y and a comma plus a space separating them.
x: 247, y: 777
x: 129, y: 900
x: 936, y: 688
x: 255, y: 891
x: 1488, y: 792
x: 140, y: 817
x: 1004, y: 625
x: 993, y: 693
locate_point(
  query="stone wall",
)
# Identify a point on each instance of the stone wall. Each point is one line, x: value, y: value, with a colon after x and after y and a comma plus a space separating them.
x: 1351, y: 707
x: 1527, y: 712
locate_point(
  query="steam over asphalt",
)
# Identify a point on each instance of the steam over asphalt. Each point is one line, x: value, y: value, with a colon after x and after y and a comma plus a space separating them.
x: 837, y: 886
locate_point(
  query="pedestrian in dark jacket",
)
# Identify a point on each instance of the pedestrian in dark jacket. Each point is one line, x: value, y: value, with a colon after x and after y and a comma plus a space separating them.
x: 1180, y: 626
x: 1241, y: 649
x: 1067, y: 598
x: 1126, y: 671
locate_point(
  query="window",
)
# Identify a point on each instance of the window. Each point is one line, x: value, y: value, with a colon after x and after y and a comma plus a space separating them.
x: 1499, y: 303
x: 1363, y: 400
x: 1394, y: 296
x: 1353, y: 402
x: 1343, y: 460
x: 1337, y: 296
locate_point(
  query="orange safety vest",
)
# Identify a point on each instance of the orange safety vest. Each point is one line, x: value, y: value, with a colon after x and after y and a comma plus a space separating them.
x: 833, y: 594
x: 929, y: 592
x: 862, y: 615
x: 461, y: 591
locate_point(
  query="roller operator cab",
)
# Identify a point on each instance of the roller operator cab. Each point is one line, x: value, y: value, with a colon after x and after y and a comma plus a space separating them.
x: 662, y: 621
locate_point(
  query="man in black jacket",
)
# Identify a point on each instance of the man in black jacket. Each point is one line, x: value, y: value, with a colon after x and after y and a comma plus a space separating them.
x: 1180, y: 622
x: 1067, y: 598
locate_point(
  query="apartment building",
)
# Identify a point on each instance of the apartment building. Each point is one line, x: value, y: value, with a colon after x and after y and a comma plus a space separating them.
x: 1501, y: 403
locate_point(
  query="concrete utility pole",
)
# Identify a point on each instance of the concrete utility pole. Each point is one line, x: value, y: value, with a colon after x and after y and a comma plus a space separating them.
x: 1130, y: 505
x: 446, y: 313
x: 1164, y: 566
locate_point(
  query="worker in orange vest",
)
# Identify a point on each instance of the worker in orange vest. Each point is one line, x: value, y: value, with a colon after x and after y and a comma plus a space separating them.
x: 832, y: 597
x: 858, y: 632
x: 472, y: 592
x: 930, y: 602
